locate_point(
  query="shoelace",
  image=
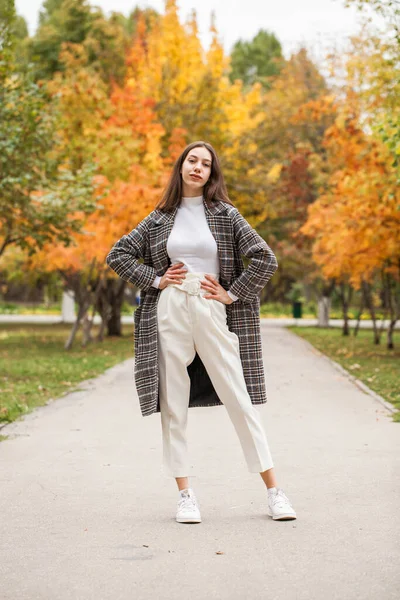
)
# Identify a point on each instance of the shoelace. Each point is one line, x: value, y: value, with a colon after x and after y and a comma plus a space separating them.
x: 279, y: 498
x: 187, y: 501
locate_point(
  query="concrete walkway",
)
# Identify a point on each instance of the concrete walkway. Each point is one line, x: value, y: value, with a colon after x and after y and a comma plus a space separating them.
x: 86, y: 513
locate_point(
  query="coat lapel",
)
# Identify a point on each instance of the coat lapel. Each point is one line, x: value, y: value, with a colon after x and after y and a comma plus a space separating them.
x: 219, y: 226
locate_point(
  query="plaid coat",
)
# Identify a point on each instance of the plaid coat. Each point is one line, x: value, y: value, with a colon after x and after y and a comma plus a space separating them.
x: 234, y: 237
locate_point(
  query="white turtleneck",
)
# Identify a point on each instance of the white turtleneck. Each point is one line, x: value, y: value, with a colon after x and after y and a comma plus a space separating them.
x: 191, y: 241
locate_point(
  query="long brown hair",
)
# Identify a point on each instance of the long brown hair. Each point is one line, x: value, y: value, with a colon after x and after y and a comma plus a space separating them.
x: 214, y: 189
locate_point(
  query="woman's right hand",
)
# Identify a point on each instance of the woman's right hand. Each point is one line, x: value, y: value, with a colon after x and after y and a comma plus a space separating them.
x: 174, y: 274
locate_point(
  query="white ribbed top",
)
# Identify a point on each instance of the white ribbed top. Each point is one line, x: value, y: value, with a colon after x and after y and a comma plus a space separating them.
x: 191, y: 241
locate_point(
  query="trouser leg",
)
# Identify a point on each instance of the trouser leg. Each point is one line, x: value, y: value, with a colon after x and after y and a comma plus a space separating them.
x: 175, y: 352
x: 218, y: 348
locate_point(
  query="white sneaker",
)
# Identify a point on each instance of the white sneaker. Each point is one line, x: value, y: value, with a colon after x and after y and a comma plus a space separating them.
x: 188, y: 507
x: 279, y: 507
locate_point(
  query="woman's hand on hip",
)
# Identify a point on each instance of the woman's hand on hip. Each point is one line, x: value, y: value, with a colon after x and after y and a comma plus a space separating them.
x: 174, y: 274
x: 217, y: 292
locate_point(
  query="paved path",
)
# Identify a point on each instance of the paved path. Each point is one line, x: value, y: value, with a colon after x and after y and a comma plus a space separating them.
x: 86, y: 513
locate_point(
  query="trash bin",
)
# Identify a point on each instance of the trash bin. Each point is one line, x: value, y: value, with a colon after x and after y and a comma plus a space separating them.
x: 297, y: 310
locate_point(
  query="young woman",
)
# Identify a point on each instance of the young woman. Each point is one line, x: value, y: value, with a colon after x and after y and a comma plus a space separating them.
x: 197, y: 328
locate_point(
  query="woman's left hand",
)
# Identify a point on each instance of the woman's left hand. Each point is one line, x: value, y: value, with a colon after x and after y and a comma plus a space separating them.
x: 217, y: 292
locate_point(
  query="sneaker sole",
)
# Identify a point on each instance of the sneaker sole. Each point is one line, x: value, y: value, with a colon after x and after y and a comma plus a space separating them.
x: 287, y: 517
x: 187, y: 520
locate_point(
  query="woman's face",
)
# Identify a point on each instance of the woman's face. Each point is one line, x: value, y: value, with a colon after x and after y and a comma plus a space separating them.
x: 196, y: 171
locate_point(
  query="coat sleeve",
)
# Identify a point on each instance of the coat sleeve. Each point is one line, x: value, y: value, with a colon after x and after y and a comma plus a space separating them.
x: 263, y: 263
x: 123, y: 256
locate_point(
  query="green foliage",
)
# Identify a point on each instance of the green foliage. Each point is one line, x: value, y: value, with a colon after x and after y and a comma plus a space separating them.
x: 77, y: 22
x: 389, y: 131
x: 20, y: 28
x: 62, y: 21
x: 38, y: 193
x: 257, y: 60
x: 296, y: 293
x: 7, y: 23
x: 9, y: 308
x: 49, y: 7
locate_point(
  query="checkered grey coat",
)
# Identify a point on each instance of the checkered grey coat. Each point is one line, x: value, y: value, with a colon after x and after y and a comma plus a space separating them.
x: 234, y: 237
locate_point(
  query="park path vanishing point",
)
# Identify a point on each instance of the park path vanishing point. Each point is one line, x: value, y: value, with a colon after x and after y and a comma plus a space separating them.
x: 87, y: 513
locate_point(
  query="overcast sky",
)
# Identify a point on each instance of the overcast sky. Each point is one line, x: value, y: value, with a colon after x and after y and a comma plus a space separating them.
x: 318, y: 24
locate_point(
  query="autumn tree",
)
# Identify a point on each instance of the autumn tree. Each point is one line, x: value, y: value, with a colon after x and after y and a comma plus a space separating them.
x: 389, y: 9
x: 105, y: 40
x: 95, y: 126
x: 278, y: 150
x: 82, y: 265
x: 41, y: 199
x: 355, y: 224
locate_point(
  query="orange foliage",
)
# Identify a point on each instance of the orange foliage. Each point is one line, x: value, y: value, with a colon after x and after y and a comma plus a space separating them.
x: 355, y: 224
x: 126, y: 204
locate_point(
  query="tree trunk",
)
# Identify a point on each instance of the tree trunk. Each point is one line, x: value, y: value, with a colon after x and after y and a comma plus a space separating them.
x: 102, y: 328
x: 392, y: 293
x: 390, y: 343
x: 86, y: 329
x: 369, y: 303
x: 88, y: 323
x: 114, y: 322
x: 345, y: 306
x: 81, y: 313
x: 360, y: 312
x: 115, y: 295
x: 324, y: 304
x: 83, y: 287
x: 324, y: 307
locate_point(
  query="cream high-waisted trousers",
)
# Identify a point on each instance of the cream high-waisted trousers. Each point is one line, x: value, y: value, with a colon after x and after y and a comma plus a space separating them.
x: 187, y: 323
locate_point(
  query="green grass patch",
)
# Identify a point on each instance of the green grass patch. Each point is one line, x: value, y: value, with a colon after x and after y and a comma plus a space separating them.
x: 35, y: 366
x: 279, y: 310
x: 14, y: 308
x: 272, y: 310
x: 309, y: 311
x: 21, y: 308
x: 373, y: 364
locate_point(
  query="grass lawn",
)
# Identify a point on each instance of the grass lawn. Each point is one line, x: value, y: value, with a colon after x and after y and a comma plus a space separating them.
x: 35, y: 367
x: 375, y: 366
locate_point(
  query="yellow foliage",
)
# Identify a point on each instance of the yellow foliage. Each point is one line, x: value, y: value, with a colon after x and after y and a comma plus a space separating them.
x: 274, y: 173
